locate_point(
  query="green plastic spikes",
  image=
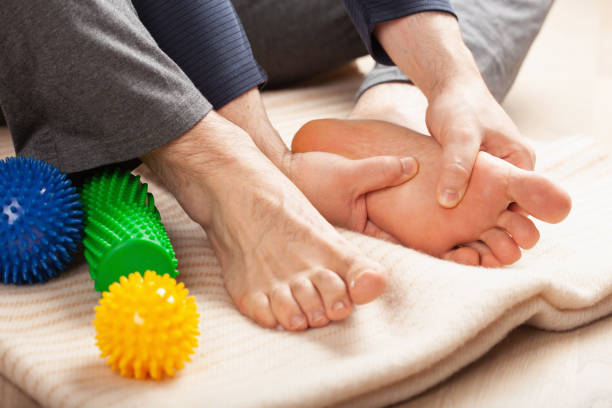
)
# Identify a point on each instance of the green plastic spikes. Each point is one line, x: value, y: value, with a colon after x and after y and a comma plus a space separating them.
x: 123, y: 229
x: 116, y: 187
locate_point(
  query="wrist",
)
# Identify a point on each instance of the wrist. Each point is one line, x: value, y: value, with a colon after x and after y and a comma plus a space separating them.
x: 429, y: 48
x: 459, y: 85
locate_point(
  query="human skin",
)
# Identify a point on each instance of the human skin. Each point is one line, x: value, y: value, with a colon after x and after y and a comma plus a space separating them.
x: 461, y: 115
x: 282, y: 262
x: 483, y: 221
x: 405, y: 105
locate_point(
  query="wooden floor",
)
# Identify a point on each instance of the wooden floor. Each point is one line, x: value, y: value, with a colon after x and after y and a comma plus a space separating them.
x: 564, y: 89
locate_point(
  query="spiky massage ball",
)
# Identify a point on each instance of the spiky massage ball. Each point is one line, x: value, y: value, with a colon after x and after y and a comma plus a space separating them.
x: 146, y: 326
x: 40, y: 221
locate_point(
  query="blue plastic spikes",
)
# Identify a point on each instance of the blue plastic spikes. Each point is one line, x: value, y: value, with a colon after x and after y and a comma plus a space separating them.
x: 40, y: 221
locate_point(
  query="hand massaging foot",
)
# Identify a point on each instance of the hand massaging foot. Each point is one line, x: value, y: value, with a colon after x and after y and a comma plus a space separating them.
x: 282, y: 262
x: 487, y: 228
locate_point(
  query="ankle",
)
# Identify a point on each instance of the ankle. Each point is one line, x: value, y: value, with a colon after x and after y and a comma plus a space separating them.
x: 400, y: 103
x: 198, y: 166
x: 248, y: 112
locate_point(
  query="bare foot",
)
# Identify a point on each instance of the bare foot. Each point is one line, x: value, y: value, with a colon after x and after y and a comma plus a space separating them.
x: 282, y: 262
x: 492, y: 228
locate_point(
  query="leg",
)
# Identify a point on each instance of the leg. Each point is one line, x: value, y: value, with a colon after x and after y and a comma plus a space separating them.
x: 499, y: 34
x: 296, y: 39
x: 410, y: 212
x: 119, y: 96
x: 74, y: 79
x: 282, y: 262
x: 207, y: 41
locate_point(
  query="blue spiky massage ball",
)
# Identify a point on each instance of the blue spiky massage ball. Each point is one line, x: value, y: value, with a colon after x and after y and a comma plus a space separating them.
x: 40, y: 221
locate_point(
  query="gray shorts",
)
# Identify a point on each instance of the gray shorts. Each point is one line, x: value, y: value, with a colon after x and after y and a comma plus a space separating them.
x: 83, y: 84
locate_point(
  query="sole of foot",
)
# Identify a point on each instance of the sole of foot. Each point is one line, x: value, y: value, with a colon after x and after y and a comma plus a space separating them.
x: 487, y: 228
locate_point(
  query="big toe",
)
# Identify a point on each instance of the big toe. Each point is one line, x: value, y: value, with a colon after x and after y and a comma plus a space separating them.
x: 539, y: 196
x: 367, y: 281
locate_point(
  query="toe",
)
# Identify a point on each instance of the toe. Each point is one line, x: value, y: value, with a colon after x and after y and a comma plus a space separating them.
x: 514, y: 207
x: 286, y: 309
x: 333, y: 292
x: 487, y: 258
x: 310, y: 302
x: 257, y: 307
x: 522, y: 229
x: 463, y: 255
x: 502, y: 245
x: 539, y: 196
x: 366, y: 280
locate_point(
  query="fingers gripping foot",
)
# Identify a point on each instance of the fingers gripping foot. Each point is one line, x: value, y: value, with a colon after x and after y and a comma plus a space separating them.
x: 282, y: 262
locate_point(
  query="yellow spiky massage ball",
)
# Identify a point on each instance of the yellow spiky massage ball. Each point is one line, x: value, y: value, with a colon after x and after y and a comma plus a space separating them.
x: 146, y: 325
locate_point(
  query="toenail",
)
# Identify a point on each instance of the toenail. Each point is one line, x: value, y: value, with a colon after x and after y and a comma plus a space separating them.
x: 297, y: 321
x: 339, y: 305
x: 355, y: 279
x: 318, y: 316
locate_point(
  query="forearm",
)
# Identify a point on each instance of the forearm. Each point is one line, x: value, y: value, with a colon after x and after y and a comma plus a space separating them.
x: 428, y: 47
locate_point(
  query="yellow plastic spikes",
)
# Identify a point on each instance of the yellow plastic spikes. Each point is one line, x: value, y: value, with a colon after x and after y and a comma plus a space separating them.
x: 146, y: 326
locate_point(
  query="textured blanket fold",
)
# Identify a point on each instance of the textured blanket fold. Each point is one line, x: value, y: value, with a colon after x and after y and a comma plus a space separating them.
x: 435, y: 317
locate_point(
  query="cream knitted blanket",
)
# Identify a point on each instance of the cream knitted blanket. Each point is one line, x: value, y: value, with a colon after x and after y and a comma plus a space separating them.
x: 435, y: 317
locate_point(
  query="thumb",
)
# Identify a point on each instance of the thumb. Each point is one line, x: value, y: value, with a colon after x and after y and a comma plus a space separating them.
x: 376, y: 173
x: 457, y: 162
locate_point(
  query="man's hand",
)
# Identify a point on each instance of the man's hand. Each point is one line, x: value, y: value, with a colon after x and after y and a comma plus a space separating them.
x: 462, y: 114
x: 464, y: 119
x: 337, y: 186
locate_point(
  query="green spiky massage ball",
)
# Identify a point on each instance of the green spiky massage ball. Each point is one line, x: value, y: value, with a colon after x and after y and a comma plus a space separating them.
x: 123, y: 229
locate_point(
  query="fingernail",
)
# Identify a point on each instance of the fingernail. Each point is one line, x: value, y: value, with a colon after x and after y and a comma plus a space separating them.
x: 409, y: 165
x: 318, y: 316
x: 296, y: 321
x: 448, y: 197
x: 339, y: 305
